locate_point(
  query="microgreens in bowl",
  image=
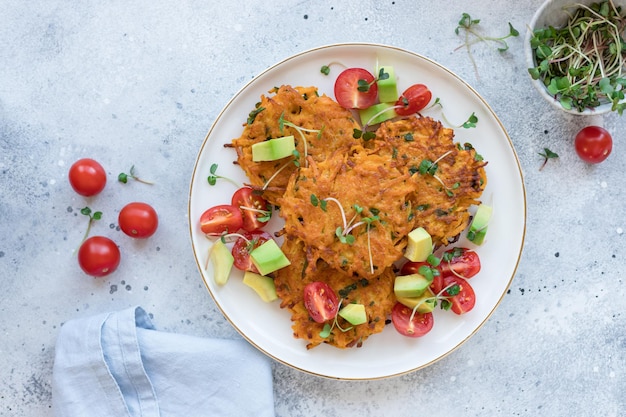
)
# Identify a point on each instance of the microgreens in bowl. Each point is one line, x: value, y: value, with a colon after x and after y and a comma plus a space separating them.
x: 581, y: 63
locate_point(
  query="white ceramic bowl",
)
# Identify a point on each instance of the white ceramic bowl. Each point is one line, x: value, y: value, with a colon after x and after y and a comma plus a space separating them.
x: 552, y: 13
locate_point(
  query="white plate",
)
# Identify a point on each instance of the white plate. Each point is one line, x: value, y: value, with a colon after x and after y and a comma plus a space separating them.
x: 268, y: 327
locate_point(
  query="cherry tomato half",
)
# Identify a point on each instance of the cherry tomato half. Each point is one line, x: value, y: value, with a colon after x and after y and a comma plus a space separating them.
x: 98, y: 256
x: 138, y: 220
x: 414, y: 99
x: 355, y: 88
x: 465, y: 300
x: 320, y: 301
x: 461, y: 262
x: 221, y: 219
x: 593, y: 144
x: 254, y: 208
x: 413, y: 267
x: 87, y: 177
x: 242, y: 248
x: 421, y: 323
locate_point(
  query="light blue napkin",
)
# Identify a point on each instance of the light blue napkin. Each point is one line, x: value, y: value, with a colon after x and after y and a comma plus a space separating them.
x: 117, y: 365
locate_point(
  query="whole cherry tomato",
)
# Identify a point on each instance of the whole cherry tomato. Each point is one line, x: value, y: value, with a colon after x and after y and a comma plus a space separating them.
x: 87, y: 177
x: 138, y: 220
x: 593, y: 144
x: 98, y: 256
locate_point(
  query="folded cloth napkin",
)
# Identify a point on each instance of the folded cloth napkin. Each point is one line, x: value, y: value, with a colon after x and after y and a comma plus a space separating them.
x: 116, y: 364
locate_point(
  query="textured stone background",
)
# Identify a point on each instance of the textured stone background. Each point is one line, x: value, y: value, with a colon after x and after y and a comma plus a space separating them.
x: 141, y: 82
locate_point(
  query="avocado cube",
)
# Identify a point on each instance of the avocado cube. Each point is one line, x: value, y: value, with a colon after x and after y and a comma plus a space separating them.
x: 262, y: 285
x: 412, y: 285
x: 425, y: 303
x: 419, y: 245
x: 273, y: 149
x: 354, y: 314
x: 377, y: 113
x: 268, y: 257
x: 222, y: 261
x: 388, y: 87
x: 479, y: 225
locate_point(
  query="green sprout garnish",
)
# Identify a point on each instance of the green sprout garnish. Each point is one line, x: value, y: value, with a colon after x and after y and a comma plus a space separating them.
x: 213, y: 177
x: 93, y: 216
x: 123, y: 177
x: 474, y: 36
x: 547, y: 154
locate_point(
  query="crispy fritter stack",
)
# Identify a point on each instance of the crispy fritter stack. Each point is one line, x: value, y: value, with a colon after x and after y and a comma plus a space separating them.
x: 349, y: 204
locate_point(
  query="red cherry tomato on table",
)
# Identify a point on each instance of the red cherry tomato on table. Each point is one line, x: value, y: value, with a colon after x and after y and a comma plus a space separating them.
x: 320, y: 301
x: 418, y: 326
x: 221, y: 219
x: 87, y: 177
x: 98, y: 256
x: 138, y: 220
x: 355, y: 88
x: 461, y: 262
x: 593, y: 144
x: 242, y: 248
x: 254, y: 208
x: 414, y: 99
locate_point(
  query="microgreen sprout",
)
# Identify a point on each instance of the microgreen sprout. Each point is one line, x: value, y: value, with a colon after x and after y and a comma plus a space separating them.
x: 365, y: 135
x: 123, y: 177
x: 469, y: 123
x: 582, y: 63
x: 328, y: 327
x: 265, y: 217
x: 343, y: 233
x: 364, y: 85
x: 295, y: 161
x: 428, y: 167
x: 282, y: 123
x: 325, y: 69
x: 547, y: 154
x: 474, y: 36
x: 213, y: 177
x: 93, y: 216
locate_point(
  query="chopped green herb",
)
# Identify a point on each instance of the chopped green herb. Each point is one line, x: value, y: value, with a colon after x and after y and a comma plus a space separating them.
x: 253, y: 114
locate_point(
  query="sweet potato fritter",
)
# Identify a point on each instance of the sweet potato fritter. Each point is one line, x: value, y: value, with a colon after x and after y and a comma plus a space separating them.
x: 328, y: 127
x: 375, y: 294
x: 441, y: 196
x: 374, y: 210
